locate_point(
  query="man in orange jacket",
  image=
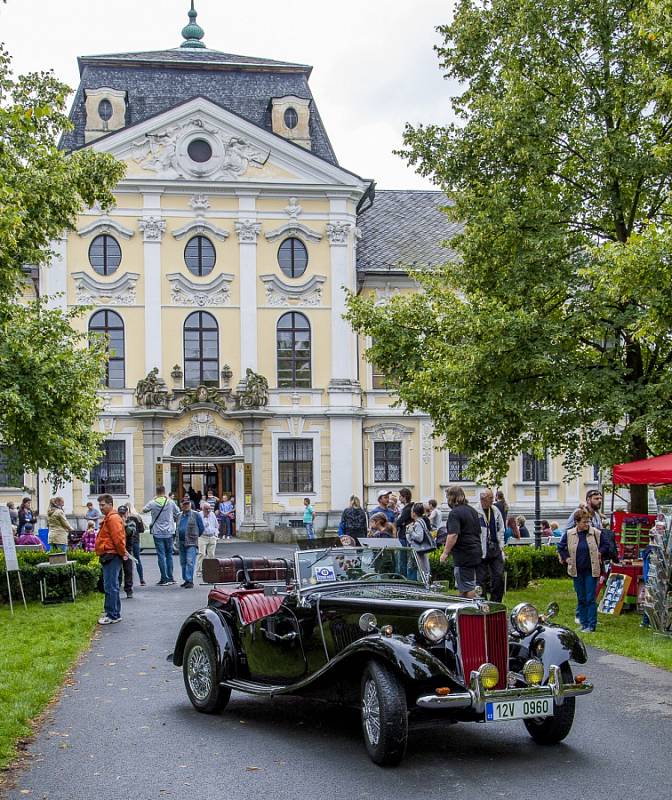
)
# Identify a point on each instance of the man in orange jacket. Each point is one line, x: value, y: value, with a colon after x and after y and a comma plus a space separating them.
x: 111, y: 550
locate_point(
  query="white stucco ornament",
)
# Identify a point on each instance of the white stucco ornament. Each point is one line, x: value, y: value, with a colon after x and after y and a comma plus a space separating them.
x: 92, y: 292
x: 338, y: 232
x: 248, y: 230
x: 152, y: 228
x: 168, y: 152
x: 185, y: 292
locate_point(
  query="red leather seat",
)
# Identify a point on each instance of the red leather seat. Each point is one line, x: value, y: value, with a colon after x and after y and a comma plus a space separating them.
x: 252, y: 604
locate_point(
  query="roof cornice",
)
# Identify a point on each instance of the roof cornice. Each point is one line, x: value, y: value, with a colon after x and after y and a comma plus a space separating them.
x: 219, y: 66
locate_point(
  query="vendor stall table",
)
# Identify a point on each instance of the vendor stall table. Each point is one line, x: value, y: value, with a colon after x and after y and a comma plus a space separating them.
x: 45, y: 567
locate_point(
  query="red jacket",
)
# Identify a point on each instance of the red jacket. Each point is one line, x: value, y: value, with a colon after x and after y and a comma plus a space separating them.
x: 111, y: 536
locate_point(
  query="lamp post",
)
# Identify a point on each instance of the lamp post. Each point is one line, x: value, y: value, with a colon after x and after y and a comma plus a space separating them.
x: 537, y: 504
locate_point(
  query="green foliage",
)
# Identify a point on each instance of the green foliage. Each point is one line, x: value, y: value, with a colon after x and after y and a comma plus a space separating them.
x: 37, y: 647
x: 552, y: 328
x: 87, y: 573
x: 523, y: 564
x: 48, y: 378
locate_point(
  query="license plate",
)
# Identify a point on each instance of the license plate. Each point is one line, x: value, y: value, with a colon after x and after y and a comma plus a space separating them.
x: 502, y: 710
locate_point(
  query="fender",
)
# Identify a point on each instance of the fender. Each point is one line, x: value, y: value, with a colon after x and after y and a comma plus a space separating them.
x: 560, y: 645
x: 217, y: 629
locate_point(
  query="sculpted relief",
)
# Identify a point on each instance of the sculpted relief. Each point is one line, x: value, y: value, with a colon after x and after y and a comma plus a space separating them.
x: 167, y: 152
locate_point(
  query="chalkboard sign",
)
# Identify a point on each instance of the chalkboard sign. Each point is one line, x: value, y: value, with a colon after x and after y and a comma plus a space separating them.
x: 615, y: 590
x: 11, y: 562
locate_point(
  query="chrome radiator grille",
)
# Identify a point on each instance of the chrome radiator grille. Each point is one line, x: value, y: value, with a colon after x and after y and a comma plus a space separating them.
x: 484, y: 637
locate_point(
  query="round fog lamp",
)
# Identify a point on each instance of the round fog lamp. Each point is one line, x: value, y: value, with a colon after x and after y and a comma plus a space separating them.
x: 525, y: 618
x: 533, y: 672
x: 489, y: 676
x: 433, y: 625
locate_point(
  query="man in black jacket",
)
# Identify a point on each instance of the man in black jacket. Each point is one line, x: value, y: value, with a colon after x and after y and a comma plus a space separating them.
x: 404, y: 517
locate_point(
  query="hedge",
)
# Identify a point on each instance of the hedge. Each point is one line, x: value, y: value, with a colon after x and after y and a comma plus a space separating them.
x: 88, y: 573
x: 523, y: 564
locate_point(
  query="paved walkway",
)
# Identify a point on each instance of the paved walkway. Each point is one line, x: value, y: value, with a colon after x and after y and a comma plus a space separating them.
x: 125, y: 729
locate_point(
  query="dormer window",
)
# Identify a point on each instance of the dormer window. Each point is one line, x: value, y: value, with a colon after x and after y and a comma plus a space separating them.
x: 105, y: 112
x: 291, y: 118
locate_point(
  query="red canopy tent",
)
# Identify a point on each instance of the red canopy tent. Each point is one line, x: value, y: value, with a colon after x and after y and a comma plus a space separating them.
x: 649, y: 470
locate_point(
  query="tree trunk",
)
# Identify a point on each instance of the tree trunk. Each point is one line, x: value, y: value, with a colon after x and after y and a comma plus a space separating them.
x: 639, y: 493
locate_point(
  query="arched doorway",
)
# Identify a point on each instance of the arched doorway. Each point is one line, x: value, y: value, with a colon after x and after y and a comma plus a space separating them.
x: 200, y: 463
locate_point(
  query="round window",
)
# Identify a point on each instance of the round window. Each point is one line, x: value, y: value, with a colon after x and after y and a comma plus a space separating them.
x: 105, y: 110
x: 293, y: 257
x: 199, y: 151
x: 199, y: 256
x: 291, y: 118
x: 104, y: 254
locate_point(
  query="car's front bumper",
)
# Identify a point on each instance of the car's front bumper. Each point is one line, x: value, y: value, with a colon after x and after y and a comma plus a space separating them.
x: 475, y: 697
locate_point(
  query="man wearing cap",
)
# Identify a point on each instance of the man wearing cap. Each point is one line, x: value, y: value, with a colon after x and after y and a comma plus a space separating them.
x: 189, y: 528
x: 383, y: 506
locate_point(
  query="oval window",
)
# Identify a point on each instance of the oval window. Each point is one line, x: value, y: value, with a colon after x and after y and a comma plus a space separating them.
x: 104, y: 254
x: 105, y: 110
x: 199, y: 151
x: 293, y: 257
x: 199, y: 256
x: 291, y: 118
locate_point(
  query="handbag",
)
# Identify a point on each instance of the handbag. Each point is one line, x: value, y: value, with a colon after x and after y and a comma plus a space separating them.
x: 427, y: 544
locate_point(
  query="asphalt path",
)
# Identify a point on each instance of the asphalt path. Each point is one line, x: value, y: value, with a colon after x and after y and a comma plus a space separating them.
x: 124, y: 728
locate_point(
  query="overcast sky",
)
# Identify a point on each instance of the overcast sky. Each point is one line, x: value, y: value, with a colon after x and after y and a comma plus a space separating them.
x: 374, y: 66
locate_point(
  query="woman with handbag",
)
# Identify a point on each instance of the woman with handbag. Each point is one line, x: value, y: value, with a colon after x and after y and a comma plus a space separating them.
x: 419, y: 537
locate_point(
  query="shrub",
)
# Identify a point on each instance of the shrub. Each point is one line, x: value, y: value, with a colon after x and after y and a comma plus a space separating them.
x: 88, y: 573
x: 523, y: 564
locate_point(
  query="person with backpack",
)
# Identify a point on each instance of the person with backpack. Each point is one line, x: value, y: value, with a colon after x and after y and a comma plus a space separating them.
x: 131, y: 532
x: 162, y: 527
x: 420, y: 538
x: 354, y: 522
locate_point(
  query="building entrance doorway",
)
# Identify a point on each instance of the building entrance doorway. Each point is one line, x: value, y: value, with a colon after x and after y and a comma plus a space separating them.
x: 201, y: 463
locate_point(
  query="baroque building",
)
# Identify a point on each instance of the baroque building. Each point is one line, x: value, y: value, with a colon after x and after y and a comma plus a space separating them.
x: 220, y: 278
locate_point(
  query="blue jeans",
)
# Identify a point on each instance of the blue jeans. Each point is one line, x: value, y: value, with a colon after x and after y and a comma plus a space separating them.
x: 310, y: 530
x: 136, y: 555
x: 111, y: 573
x: 584, y: 586
x: 188, y: 561
x: 164, y: 555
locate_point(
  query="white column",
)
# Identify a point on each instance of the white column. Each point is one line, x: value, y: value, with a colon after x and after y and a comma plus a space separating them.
x: 248, y: 229
x: 346, y: 459
x: 54, y: 276
x: 340, y: 229
x: 152, y: 226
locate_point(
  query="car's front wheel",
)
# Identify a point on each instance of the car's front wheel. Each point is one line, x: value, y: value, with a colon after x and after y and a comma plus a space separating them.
x: 553, y: 729
x: 384, y: 714
x: 199, y: 668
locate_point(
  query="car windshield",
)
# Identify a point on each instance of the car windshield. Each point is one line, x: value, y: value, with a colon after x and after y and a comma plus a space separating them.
x: 315, y: 567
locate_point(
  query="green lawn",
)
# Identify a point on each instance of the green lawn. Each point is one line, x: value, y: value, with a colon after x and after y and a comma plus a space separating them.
x: 620, y: 635
x: 37, y: 647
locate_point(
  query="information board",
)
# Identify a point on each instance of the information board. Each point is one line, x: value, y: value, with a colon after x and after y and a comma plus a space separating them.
x: 9, y: 548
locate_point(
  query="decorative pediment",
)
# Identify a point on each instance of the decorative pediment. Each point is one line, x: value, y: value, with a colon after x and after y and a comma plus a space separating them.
x: 200, y: 226
x: 105, y: 225
x: 279, y: 293
x: 91, y: 292
x: 388, y: 432
x: 185, y: 292
x: 293, y: 228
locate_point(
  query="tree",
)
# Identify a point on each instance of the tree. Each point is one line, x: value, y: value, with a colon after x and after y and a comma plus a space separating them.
x: 48, y: 374
x: 553, y: 328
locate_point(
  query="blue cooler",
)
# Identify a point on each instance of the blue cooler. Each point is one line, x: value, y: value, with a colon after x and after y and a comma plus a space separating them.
x: 43, y: 536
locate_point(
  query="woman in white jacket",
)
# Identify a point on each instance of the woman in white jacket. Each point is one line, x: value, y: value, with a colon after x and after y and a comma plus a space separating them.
x: 419, y: 537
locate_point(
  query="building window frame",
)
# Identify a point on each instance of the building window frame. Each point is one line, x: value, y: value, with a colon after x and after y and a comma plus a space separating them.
x: 295, y: 458
x: 458, y: 463
x: 107, y: 323
x: 206, y: 329
x: 9, y: 479
x: 113, y: 460
x: 108, y: 253
x: 527, y: 468
x: 200, y: 256
x: 388, y: 462
x: 293, y: 257
x: 287, y: 361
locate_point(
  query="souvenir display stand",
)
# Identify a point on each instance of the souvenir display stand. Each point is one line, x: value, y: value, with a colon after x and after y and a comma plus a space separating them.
x: 658, y: 593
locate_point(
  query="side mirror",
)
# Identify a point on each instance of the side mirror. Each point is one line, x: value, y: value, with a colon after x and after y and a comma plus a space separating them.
x: 552, y: 611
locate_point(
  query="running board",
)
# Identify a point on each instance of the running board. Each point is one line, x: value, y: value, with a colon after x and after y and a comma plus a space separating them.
x: 255, y: 688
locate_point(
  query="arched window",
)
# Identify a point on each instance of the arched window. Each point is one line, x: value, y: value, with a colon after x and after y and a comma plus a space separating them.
x: 201, y: 350
x: 294, y: 351
x: 293, y: 257
x: 111, y: 325
x: 199, y: 256
x: 105, y: 254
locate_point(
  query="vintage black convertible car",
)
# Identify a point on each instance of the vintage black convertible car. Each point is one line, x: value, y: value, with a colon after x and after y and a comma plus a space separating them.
x: 350, y: 625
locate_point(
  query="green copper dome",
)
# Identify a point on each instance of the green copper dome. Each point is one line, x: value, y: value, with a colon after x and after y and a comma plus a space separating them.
x: 193, y: 33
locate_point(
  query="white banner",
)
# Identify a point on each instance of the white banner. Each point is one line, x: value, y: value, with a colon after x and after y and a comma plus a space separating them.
x: 11, y: 561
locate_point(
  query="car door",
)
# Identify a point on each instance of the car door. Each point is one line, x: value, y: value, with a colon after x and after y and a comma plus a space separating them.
x: 274, y: 649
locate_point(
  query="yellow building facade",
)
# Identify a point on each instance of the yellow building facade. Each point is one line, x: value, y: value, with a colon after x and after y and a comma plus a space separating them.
x: 220, y: 277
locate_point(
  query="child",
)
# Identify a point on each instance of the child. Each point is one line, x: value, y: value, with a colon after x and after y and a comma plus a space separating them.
x: 89, y: 537
x: 308, y: 517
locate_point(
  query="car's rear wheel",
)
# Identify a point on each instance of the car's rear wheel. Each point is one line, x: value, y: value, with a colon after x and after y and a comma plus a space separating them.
x: 199, y: 668
x: 553, y: 729
x: 384, y: 714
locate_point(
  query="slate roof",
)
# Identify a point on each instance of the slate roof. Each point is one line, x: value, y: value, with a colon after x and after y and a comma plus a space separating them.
x: 404, y: 229
x: 160, y: 80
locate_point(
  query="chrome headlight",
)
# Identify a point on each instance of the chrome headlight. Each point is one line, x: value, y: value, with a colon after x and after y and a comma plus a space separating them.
x: 433, y: 625
x: 525, y: 618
